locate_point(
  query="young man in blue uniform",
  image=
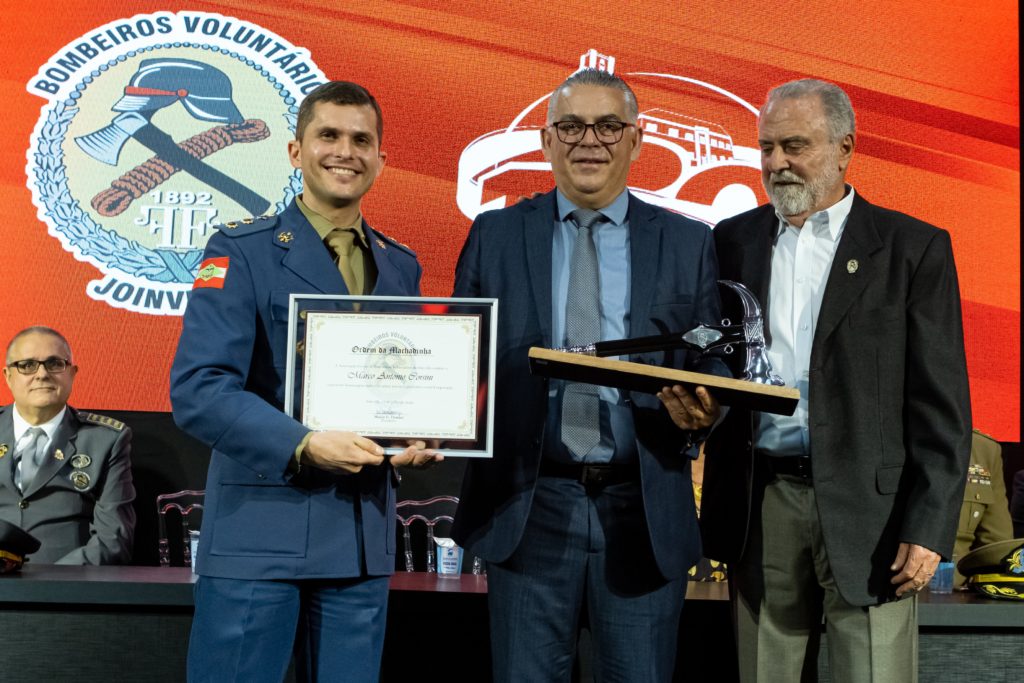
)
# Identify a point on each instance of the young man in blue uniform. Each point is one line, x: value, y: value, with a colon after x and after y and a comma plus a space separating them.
x: 298, y: 535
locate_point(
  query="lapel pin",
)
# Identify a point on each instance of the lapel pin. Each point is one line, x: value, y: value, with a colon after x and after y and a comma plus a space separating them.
x: 81, y: 460
x: 851, y: 266
x: 285, y: 237
x: 59, y: 454
x: 80, y: 480
x: 3, y: 449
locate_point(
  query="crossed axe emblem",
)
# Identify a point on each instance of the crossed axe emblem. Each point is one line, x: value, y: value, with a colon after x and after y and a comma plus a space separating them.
x: 205, y: 92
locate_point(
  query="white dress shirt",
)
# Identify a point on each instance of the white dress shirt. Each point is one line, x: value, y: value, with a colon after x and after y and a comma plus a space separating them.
x: 801, y: 260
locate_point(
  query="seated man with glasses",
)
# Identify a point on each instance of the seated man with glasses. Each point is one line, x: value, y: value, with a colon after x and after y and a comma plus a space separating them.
x: 65, y: 475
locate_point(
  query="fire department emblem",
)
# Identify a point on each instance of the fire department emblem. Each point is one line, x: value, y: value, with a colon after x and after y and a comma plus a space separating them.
x: 155, y: 129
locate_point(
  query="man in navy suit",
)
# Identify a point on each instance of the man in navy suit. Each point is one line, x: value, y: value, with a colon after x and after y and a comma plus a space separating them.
x: 844, y: 508
x: 605, y: 528
x: 298, y: 536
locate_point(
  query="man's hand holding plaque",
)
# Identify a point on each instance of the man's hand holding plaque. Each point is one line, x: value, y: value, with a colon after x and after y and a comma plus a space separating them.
x: 690, y: 411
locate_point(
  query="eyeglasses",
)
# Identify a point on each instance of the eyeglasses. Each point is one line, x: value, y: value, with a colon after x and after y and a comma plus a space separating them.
x: 30, y: 366
x: 572, y: 132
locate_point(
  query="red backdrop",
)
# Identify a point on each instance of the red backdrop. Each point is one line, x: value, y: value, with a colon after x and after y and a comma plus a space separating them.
x: 935, y: 90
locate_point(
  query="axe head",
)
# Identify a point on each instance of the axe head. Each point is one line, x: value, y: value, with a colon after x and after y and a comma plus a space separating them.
x: 105, y: 144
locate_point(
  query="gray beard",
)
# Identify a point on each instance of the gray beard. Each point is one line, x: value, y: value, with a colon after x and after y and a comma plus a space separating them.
x: 793, y: 200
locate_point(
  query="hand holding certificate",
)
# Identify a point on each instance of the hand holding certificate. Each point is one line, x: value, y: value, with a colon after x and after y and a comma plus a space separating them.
x: 397, y: 369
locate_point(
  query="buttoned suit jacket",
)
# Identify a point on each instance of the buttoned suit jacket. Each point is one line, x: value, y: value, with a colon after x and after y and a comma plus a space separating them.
x: 261, y: 521
x: 508, y: 255
x: 889, y: 408
x: 91, y: 523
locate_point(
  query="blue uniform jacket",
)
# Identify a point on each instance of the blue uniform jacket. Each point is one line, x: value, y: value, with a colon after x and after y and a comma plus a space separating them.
x: 227, y: 389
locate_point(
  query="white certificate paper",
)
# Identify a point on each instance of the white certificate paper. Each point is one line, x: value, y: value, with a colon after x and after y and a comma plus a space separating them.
x: 391, y: 374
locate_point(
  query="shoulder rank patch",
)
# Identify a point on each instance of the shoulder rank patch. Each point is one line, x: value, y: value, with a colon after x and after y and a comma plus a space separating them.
x: 983, y: 434
x: 382, y: 239
x: 248, y: 225
x: 212, y: 272
x: 95, y: 419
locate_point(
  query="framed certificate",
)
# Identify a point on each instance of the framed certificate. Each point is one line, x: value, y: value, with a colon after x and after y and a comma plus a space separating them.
x: 395, y: 369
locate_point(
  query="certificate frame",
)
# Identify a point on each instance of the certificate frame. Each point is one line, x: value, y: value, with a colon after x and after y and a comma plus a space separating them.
x: 389, y: 368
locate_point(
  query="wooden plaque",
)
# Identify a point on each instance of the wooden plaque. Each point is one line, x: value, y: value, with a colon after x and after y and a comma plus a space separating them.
x: 651, y: 378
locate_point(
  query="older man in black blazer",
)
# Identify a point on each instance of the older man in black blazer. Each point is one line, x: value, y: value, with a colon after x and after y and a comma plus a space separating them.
x: 845, y: 508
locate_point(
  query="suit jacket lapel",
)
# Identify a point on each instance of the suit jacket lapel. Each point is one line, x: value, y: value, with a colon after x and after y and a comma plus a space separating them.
x: 759, y: 250
x: 64, y: 441
x: 538, y: 236
x: 644, y: 240
x: 852, y: 269
x: 7, y: 440
x: 304, y: 253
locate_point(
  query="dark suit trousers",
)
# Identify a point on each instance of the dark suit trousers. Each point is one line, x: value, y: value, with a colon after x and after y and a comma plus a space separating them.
x: 583, y: 552
x: 245, y: 630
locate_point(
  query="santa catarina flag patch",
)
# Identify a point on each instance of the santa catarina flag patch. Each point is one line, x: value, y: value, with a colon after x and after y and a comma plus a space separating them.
x: 212, y: 273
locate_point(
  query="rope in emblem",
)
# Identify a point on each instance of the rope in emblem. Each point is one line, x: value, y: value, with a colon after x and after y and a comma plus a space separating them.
x: 151, y: 173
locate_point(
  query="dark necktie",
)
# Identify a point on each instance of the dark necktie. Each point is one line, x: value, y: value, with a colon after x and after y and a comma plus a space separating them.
x: 30, y: 457
x: 581, y: 426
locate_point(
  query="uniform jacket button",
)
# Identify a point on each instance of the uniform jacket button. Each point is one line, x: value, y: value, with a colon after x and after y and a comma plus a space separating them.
x: 23, y: 503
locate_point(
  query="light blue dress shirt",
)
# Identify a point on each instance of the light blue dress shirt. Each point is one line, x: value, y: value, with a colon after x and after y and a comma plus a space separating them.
x: 611, y: 238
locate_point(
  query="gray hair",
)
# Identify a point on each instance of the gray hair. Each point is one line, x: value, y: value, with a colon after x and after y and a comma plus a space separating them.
x: 601, y: 79
x: 838, y: 110
x: 36, y: 329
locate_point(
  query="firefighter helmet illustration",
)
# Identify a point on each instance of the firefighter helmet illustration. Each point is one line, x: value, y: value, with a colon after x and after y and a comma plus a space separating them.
x: 204, y: 90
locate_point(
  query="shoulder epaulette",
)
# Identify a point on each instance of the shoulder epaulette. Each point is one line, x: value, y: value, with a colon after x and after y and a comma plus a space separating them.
x: 383, y: 241
x: 247, y: 226
x: 981, y: 433
x: 96, y: 419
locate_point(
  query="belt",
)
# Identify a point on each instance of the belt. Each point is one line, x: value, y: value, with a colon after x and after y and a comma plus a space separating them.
x: 792, y: 465
x: 591, y: 475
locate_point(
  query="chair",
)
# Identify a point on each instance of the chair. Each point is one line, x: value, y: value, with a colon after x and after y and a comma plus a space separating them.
x: 430, y: 511
x: 185, y: 502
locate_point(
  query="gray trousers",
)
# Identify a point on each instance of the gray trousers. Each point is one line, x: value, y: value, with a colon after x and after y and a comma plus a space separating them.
x: 784, y: 586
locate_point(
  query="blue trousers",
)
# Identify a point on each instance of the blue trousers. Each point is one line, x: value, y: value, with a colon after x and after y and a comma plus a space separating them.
x: 583, y: 551
x: 249, y: 630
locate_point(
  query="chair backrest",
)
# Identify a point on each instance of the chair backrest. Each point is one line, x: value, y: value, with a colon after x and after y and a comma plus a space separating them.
x: 185, y: 503
x: 430, y: 511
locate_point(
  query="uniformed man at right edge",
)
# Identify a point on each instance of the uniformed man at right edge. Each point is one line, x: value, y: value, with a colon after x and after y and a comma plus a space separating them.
x: 985, y: 510
x: 845, y: 508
